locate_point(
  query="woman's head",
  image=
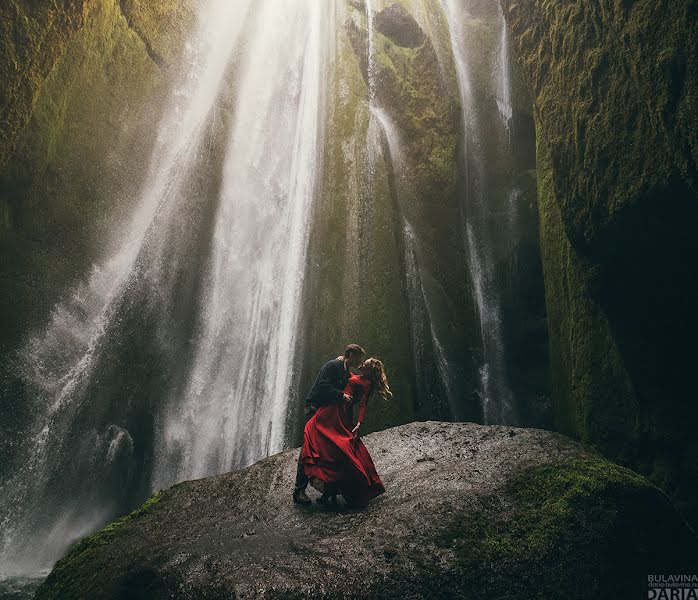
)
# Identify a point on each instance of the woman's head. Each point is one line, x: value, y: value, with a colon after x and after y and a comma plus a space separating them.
x: 373, y: 370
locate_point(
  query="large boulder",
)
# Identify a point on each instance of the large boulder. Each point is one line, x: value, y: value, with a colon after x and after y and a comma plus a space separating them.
x: 469, y: 511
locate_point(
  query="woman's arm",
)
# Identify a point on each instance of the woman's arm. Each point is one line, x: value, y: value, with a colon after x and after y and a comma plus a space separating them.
x: 362, y: 412
x: 362, y: 407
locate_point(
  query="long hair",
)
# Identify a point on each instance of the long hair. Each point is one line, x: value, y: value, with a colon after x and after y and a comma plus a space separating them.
x: 379, y: 382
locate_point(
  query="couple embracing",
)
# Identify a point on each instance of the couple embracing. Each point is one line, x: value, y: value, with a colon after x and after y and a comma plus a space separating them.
x: 333, y: 459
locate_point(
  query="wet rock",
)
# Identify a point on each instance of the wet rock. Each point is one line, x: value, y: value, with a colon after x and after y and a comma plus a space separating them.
x: 535, y: 514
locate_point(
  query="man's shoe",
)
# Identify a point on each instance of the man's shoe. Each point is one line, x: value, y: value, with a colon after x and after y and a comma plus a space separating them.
x: 300, y: 497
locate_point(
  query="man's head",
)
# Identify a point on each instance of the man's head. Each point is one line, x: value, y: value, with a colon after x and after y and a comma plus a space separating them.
x: 353, y: 355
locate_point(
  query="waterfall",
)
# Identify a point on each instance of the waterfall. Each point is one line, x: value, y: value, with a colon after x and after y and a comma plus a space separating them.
x: 241, y: 372
x: 371, y: 68
x: 174, y: 358
x: 423, y: 323
x: 496, y: 396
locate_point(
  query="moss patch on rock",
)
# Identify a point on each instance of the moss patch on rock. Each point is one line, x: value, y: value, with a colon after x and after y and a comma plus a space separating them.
x: 578, y: 516
x: 68, y: 579
x: 32, y: 39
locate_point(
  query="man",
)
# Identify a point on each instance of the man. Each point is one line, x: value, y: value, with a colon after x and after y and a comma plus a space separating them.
x: 328, y: 387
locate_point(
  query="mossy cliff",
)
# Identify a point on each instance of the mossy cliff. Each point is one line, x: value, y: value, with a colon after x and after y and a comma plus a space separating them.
x: 35, y: 37
x: 80, y: 89
x: 417, y: 94
x: 469, y: 512
x: 390, y: 267
x: 614, y: 86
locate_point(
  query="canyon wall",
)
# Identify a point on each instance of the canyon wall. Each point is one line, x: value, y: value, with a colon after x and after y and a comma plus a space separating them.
x: 614, y: 88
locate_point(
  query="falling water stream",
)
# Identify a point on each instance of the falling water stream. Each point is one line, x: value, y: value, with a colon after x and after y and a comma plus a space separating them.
x: 232, y: 410
x: 496, y: 396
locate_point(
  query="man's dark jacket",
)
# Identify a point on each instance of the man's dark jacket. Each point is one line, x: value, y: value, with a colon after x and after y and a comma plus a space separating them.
x: 329, y: 385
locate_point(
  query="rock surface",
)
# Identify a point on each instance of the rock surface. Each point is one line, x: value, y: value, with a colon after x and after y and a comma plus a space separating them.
x: 363, y: 203
x: 469, y: 511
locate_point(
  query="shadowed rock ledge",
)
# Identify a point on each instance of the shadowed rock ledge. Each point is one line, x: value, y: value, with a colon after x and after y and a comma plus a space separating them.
x: 470, y: 511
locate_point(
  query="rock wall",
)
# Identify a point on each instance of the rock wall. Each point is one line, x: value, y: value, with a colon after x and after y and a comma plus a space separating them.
x: 73, y: 113
x: 614, y: 87
x: 391, y: 260
x: 81, y: 89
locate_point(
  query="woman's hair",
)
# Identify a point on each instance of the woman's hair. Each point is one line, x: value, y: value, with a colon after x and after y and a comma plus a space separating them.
x: 379, y: 382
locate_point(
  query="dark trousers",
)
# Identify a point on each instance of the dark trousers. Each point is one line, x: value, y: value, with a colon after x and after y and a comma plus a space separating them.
x: 301, y: 478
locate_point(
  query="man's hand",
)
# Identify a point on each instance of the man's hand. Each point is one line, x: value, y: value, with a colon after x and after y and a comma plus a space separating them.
x: 355, y: 431
x: 347, y: 398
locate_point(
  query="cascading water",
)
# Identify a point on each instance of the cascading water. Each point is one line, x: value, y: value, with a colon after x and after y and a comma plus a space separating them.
x: 496, y: 396
x: 371, y: 68
x: 233, y: 408
x: 174, y: 360
x: 503, y: 77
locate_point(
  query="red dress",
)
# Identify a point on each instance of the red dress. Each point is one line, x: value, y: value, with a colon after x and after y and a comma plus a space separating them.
x: 334, y: 460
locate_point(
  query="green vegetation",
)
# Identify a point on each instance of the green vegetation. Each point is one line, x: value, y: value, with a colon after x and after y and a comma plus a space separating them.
x: 67, y: 577
x: 550, y: 501
x: 555, y: 529
x: 78, y: 84
x: 592, y: 392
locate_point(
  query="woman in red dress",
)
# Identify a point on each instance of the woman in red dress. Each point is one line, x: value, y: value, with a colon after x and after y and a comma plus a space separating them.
x: 334, y: 458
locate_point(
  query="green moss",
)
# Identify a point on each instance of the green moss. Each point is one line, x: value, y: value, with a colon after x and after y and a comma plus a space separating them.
x: 31, y: 40
x: 548, y: 500
x: 581, y: 516
x: 592, y: 392
x: 78, y: 113
x: 65, y: 580
x: 614, y: 86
